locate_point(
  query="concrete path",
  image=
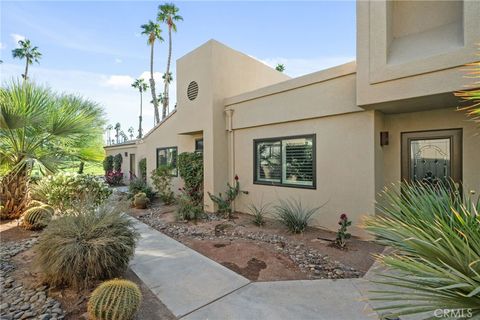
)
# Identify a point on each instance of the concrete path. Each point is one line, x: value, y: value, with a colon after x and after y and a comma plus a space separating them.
x: 194, y: 287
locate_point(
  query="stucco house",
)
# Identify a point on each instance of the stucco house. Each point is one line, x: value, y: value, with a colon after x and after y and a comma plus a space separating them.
x: 337, y: 136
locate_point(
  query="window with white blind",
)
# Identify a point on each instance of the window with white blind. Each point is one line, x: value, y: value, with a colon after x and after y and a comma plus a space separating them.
x: 168, y: 157
x: 288, y: 161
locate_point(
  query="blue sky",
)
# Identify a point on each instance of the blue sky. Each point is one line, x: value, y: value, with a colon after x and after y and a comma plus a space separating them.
x: 94, y: 48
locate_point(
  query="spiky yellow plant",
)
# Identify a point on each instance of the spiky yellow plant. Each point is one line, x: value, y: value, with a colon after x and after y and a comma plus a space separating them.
x: 472, y: 95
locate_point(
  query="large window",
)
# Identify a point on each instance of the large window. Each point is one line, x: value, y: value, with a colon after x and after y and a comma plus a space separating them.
x: 288, y: 161
x: 168, y: 157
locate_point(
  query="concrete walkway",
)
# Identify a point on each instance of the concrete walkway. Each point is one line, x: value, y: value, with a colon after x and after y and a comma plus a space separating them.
x: 194, y: 287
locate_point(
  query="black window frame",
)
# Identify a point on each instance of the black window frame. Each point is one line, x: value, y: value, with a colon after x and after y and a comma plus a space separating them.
x: 176, y: 161
x: 281, y: 183
x: 196, y: 145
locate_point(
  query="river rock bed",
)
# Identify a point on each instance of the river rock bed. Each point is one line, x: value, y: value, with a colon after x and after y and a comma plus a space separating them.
x: 311, y: 261
x: 18, y: 301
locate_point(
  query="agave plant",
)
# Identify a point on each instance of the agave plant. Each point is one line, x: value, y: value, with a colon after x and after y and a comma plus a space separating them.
x: 42, y: 130
x: 435, y: 234
x: 294, y: 215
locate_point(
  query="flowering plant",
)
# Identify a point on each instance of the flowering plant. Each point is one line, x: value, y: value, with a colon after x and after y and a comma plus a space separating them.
x: 342, y: 234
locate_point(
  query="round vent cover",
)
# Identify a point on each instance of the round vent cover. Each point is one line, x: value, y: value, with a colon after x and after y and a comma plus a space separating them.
x: 192, y: 90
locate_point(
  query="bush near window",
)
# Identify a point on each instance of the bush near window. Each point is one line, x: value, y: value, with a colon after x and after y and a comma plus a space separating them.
x: 78, y: 250
x: 138, y: 185
x: 66, y: 191
x: 142, y: 164
x: 293, y: 215
x: 162, y: 180
x: 108, y: 163
x: 190, y: 201
x: 117, y: 162
x: 436, y: 236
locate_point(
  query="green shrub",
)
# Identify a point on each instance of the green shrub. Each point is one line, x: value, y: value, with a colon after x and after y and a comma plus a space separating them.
x: 115, y: 299
x: 259, y: 213
x: 37, y: 218
x: 142, y: 164
x: 117, y: 162
x: 190, y: 201
x: 162, y: 180
x: 293, y: 215
x: 94, y: 245
x: 224, y: 203
x: 436, y: 236
x: 140, y: 200
x: 138, y: 185
x: 108, y: 163
x: 67, y: 191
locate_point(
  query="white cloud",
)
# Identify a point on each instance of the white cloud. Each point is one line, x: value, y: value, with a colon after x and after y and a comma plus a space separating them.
x: 17, y: 37
x: 118, y: 81
x: 118, y: 60
x: 296, y: 67
x: 2, y: 46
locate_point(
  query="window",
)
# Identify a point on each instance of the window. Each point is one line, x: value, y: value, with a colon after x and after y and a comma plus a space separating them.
x: 286, y: 161
x: 168, y: 157
x: 199, y: 145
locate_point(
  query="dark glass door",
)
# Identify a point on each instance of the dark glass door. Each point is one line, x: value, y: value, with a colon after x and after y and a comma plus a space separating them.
x: 432, y: 157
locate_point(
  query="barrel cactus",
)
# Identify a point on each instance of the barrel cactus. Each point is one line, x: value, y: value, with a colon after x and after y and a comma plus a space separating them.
x: 35, y: 203
x: 140, y: 200
x: 37, y: 218
x: 116, y: 299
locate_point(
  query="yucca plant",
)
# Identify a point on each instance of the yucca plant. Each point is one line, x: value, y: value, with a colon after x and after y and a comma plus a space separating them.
x: 96, y: 244
x: 293, y: 215
x: 435, y: 234
x: 259, y: 212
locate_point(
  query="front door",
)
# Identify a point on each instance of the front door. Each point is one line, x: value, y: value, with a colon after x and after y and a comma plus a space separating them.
x: 432, y: 157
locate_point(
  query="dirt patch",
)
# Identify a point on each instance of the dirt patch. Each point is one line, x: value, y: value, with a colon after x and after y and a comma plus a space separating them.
x: 251, y: 271
x: 10, y: 230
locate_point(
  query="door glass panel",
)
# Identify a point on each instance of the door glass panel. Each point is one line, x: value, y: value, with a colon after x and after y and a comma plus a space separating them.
x: 430, y: 161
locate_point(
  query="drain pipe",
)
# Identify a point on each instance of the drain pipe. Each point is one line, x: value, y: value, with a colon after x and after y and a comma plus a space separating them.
x: 231, y: 149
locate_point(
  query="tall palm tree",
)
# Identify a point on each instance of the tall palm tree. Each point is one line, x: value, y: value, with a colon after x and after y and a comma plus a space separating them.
x: 153, y: 31
x: 42, y: 130
x: 168, y: 13
x: 280, y: 67
x: 27, y: 52
x: 131, y: 131
x: 109, y: 130
x: 142, y: 87
x: 117, y: 131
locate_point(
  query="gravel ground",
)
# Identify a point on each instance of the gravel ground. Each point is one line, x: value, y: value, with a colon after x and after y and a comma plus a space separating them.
x: 18, y: 301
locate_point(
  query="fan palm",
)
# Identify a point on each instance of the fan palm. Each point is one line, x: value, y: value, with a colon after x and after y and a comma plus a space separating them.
x: 27, y: 52
x: 117, y: 131
x: 153, y: 31
x: 142, y: 87
x: 436, y: 237
x: 168, y: 13
x: 42, y: 130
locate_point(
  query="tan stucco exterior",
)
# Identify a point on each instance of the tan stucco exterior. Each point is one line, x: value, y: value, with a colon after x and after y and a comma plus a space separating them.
x: 346, y: 107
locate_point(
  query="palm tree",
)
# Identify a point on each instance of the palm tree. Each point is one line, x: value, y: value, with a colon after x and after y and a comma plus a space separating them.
x: 168, y: 13
x: 280, y: 67
x: 109, y: 129
x: 42, y: 130
x: 153, y: 31
x: 27, y: 52
x: 131, y: 131
x: 117, y: 131
x: 142, y: 87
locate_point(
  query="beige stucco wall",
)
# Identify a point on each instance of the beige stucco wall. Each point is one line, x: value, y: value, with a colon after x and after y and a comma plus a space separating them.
x: 344, y: 167
x: 434, y: 43
x: 395, y: 124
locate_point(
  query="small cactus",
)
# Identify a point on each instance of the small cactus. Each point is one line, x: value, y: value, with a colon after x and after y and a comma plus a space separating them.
x: 37, y: 218
x: 35, y: 203
x: 140, y: 200
x: 116, y: 299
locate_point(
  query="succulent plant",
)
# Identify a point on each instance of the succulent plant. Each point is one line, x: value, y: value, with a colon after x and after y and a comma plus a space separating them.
x: 140, y: 200
x: 116, y: 299
x: 37, y: 218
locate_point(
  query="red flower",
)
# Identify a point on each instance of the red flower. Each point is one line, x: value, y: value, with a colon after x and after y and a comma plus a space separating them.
x: 236, y: 177
x: 343, y: 216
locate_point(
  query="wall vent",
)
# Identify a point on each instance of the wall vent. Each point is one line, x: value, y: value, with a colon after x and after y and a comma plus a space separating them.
x: 192, y: 90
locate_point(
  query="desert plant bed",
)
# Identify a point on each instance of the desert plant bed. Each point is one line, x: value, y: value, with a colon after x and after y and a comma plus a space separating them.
x: 264, y: 253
